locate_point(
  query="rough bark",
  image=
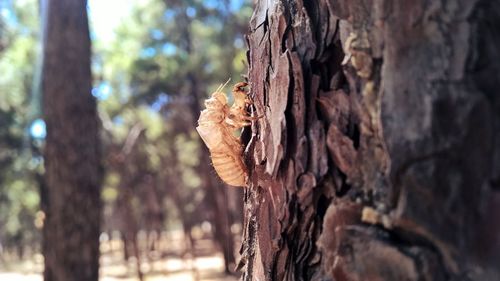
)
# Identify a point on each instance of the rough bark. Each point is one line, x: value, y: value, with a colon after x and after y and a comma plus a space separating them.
x: 72, y: 148
x: 378, y: 156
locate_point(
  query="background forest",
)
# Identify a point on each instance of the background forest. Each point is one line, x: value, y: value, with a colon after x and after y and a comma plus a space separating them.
x: 375, y: 154
x: 153, y: 63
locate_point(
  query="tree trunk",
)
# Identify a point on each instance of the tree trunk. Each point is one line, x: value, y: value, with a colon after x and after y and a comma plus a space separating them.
x: 72, y: 150
x: 217, y: 197
x: 378, y: 156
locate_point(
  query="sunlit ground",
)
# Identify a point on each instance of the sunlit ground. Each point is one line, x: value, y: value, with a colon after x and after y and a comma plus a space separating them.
x: 206, y: 265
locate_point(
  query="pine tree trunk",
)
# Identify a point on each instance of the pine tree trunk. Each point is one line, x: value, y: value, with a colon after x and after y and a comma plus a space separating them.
x: 378, y: 156
x: 215, y: 195
x: 72, y: 149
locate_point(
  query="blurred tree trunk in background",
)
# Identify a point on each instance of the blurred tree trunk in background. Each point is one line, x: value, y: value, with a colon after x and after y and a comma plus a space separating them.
x: 216, y: 195
x: 130, y: 163
x: 385, y: 166
x: 72, y: 152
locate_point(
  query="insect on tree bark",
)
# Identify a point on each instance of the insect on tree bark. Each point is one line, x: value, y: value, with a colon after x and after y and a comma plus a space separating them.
x: 217, y: 125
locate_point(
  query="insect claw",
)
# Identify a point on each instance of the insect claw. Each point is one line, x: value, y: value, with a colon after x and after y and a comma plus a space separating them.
x: 253, y: 118
x: 239, y: 86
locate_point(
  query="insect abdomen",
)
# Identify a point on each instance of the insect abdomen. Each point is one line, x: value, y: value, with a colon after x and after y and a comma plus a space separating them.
x: 230, y: 169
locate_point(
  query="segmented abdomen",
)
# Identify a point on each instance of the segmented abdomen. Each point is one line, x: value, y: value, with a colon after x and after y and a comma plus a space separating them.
x: 230, y: 169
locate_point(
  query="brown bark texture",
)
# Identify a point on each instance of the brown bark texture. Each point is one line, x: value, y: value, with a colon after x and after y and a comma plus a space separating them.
x: 72, y: 150
x: 378, y: 156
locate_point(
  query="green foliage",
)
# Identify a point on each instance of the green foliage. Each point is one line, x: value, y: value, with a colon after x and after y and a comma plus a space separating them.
x: 190, y: 41
x: 165, y: 57
x: 19, y: 197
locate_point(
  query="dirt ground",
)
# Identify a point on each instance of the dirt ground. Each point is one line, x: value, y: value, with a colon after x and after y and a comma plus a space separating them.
x: 171, y: 269
x: 206, y: 264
